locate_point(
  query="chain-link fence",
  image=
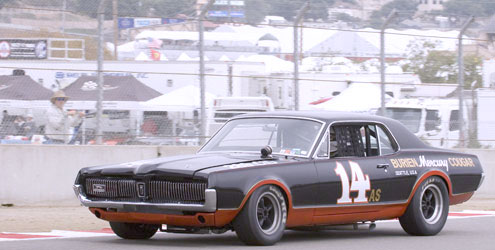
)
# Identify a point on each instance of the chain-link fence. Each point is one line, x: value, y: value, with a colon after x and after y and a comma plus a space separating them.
x: 153, y: 76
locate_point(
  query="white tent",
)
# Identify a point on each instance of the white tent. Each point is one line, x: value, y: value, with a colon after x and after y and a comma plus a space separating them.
x: 184, y: 57
x: 359, y: 97
x: 272, y: 63
x: 142, y: 57
x: 224, y: 58
x: 163, y: 57
x: 183, y: 99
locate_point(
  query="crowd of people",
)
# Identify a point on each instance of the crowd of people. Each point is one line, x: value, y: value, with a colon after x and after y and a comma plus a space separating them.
x: 18, y: 125
x: 57, y: 130
x: 60, y: 126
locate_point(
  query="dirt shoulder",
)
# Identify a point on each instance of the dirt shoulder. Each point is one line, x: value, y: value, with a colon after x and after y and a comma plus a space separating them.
x: 47, y: 218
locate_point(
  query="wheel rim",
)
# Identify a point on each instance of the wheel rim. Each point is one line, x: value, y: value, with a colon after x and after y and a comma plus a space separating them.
x: 431, y: 204
x: 268, y: 213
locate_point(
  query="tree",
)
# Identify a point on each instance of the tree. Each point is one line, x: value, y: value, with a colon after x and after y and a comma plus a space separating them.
x: 5, y: 2
x: 435, y: 66
x: 407, y: 9
x: 469, y: 7
x: 288, y: 8
x: 256, y: 10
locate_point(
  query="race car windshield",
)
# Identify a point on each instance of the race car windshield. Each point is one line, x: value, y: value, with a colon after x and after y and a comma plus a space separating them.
x: 287, y: 136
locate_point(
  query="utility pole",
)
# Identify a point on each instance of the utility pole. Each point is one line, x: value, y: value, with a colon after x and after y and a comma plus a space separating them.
x: 202, y: 15
x: 115, y: 12
x: 460, y: 79
x: 382, y: 60
x: 297, y: 20
x: 64, y: 8
x: 99, y: 102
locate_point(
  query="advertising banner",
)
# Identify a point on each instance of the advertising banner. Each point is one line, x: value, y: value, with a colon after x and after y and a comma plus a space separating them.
x: 23, y: 48
x: 143, y: 22
x: 126, y: 22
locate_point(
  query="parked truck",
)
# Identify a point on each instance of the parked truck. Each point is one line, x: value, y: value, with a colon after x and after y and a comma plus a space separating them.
x: 224, y: 108
x: 435, y: 121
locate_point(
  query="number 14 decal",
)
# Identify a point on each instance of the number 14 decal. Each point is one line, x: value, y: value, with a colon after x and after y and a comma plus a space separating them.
x: 359, y: 183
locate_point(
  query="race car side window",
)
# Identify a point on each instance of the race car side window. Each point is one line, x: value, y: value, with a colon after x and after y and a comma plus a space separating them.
x: 323, y: 148
x: 387, y: 144
x: 358, y: 140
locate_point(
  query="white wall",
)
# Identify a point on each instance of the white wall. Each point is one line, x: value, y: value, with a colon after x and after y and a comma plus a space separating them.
x: 44, y: 174
x: 487, y: 159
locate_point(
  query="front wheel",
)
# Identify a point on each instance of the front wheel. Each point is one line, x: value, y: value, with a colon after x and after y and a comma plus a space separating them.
x: 262, y: 220
x: 427, y: 213
x: 133, y: 231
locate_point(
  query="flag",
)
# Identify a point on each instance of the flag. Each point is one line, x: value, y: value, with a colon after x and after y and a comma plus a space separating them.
x: 154, y: 43
x: 155, y: 55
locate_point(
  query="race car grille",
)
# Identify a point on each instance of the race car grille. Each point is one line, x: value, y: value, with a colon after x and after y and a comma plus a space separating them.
x: 111, y: 188
x: 177, y: 191
x: 154, y: 191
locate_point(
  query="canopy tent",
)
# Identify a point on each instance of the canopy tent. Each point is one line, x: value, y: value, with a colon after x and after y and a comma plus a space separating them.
x: 183, y: 99
x: 22, y: 93
x: 358, y: 97
x: 115, y: 88
x: 22, y: 88
x: 119, y: 92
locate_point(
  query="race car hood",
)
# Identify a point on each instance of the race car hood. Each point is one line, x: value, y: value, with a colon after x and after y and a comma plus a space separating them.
x: 177, y: 166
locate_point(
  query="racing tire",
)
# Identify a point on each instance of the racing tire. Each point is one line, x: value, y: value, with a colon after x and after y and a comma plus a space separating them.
x: 428, y: 210
x: 133, y: 231
x: 262, y: 220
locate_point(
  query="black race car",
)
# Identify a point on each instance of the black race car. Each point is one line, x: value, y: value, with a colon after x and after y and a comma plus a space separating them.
x: 266, y: 172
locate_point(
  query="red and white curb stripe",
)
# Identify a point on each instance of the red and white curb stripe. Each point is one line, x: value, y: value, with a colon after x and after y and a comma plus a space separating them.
x: 55, y: 234
x: 59, y: 234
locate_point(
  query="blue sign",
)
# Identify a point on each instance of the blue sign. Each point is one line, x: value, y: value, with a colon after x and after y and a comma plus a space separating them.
x: 218, y: 13
x: 237, y: 14
x: 126, y: 22
x: 172, y: 20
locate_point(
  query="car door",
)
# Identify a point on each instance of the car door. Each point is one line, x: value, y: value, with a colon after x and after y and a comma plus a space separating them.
x: 359, y: 173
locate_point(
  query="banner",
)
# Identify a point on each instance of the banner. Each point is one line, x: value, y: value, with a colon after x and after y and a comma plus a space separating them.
x: 23, y: 48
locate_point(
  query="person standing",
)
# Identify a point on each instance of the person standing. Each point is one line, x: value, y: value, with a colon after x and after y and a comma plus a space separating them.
x: 29, y: 128
x: 59, y: 121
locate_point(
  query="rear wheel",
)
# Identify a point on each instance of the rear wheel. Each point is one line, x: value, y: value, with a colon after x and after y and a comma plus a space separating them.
x: 428, y: 210
x: 133, y: 230
x: 262, y: 220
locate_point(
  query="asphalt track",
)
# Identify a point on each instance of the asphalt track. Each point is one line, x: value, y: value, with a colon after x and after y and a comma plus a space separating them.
x: 466, y: 233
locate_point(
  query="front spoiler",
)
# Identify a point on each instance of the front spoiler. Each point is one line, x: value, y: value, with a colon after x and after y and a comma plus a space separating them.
x: 210, y: 204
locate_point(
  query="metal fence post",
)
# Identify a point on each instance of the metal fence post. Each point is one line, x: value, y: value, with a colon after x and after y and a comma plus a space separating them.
x: 382, y: 60
x: 460, y: 80
x: 99, y: 102
x: 202, y: 15
x: 297, y: 20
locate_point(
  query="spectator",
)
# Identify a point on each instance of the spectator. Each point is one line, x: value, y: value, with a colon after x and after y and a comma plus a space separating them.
x: 165, y: 126
x: 149, y: 127
x: 7, y: 125
x: 59, y: 121
x: 18, y: 125
x: 29, y: 128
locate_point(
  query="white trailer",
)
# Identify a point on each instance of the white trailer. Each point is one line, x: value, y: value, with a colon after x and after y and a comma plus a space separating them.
x: 486, y: 117
x: 435, y: 121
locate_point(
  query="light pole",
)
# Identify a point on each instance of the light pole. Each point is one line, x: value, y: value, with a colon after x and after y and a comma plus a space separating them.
x: 460, y: 79
x: 382, y: 60
x: 201, y: 16
x: 297, y: 20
